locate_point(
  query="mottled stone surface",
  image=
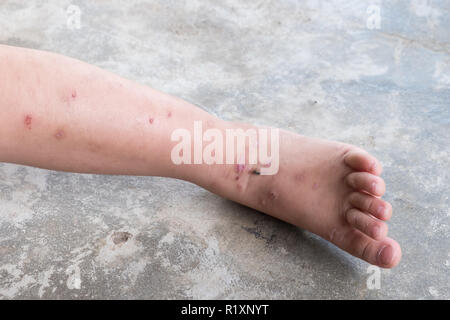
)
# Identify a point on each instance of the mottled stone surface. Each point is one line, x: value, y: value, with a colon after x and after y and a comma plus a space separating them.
x: 325, y: 69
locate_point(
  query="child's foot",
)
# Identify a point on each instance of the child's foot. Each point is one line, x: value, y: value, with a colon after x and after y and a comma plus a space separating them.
x: 329, y: 188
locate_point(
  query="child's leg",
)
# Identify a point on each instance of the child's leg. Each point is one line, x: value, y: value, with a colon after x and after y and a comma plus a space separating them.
x: 62, y: 114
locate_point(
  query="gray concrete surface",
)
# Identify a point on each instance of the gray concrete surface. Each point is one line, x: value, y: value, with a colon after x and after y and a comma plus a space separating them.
x: 327, y: 69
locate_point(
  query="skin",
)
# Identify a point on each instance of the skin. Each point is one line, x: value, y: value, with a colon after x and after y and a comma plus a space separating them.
x: 62, y: 114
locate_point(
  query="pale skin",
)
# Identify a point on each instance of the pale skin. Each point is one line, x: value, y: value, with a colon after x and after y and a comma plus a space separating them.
x: 62, y: 114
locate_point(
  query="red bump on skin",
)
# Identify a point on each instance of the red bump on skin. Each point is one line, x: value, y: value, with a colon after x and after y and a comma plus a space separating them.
x: 74, y: 94
x: 240, y: 167
x: 28, y: 120
x: 315, y: 186
x: 169, y: 114
x: 59, y: 134
x: 151, y: 120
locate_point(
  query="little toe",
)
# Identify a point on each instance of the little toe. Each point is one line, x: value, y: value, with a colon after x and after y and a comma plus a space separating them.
x: 365, y: 223
x: 378, y: 208
x: 362, y: 161
x: 366, y: 182
x: 385, y: 253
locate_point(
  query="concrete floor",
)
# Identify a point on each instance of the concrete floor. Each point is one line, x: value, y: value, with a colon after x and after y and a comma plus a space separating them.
x: 326, y: 69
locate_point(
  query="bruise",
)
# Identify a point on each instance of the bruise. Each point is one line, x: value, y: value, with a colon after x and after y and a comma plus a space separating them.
x: 28, y: 121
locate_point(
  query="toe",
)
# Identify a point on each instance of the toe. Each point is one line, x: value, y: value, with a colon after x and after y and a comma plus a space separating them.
x: 367, y: 203
x: 385, y: 253
x: 365, y: 223
x: 389, y: 253
x: 362, y: 161
x: 366, y: 182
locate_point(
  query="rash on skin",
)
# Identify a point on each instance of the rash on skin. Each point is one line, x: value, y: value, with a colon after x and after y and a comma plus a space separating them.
x: 243, y: 173
x: 27, y: 121
x: 238, y: 171
x: 240, y: 168
x: 67, y: 97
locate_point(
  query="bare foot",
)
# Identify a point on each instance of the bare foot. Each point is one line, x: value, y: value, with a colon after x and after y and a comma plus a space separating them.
x: 329, y: 188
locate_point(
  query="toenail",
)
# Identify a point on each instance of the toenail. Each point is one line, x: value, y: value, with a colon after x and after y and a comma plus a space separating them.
x: 374, y: 186
x: 385, y: 255
x: 376, y: 231
x: 381, y: 211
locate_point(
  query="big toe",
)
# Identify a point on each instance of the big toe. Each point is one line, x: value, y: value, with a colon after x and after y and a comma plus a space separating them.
x: 384, y: 253
x: 388, y: 253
